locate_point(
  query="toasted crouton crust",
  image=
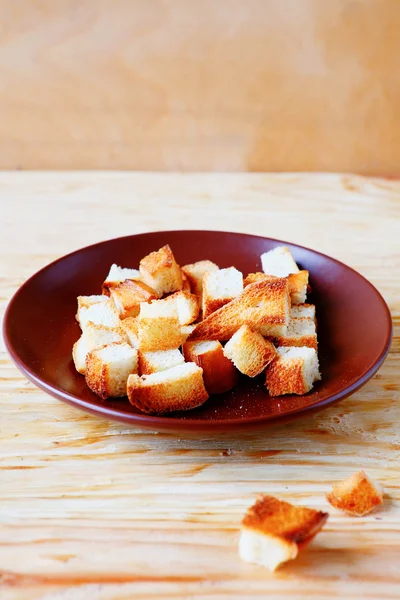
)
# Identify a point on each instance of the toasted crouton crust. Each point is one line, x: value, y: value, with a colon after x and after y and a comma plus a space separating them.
x: 254, y: 277
x: 298, y: 283
x: 249, y: 351
x: 219, y: 374
x: 161, y: 272
x: 260, y: 305
x: 131, y: 328
x: 159, y: 327
x: 177, y: 389
x: 185, y: 283
x: 357, y: 495
x: 287, y: 376
x: 294, y: 524
x: 128, y: 295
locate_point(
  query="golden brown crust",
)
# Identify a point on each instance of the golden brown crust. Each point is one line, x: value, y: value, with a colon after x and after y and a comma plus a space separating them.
x: 254, y: 277
x: 272, y: 517
x: 261, y: 303
x: 96, y: 375
x: 298, y: 283
x: 219, y: 373
x: 309, y: 341
x: 185, y: 283
x: 166, y: 396
x: 159, y: 333
x: 285, y: 377
x: 161, y: 272
x: 250, y: 353
x: 128, y: 295
x: 210, y: 305
x: 355, y: 495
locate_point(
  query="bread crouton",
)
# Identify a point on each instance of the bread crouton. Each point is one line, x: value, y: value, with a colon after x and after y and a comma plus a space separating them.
x: 219, y: 374
x: 159, y: 327
x: 128, y: 295
x: 108, y: 369
x: 195, y: 273
x: 274, y: 531
x: 93, y: 337
x: 279, y: 262
x: 131, y: 328
x: 357, y: 495
x: 100, y: 313
x: 161, y: 272
x: 254, y: 277
x: 262, y: 305
x: 86, y: 301
x: 300, y: 332
x: 117, y: 275
x: 186, y: 330
x: 219, y: 288
x: 298, y: 284
x: 300, y: 311
x: 186, y: 304
x: 153, y: 362
x: 249, y: 351
x: 294, y: 371
x: 179, y: 388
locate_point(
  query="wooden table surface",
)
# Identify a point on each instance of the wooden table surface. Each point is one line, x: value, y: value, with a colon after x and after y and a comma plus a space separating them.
x: 96, y: 510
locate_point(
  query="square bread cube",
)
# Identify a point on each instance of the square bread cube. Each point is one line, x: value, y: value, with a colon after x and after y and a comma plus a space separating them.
x: 219, y: 374
x: 195, y: 273
x: 186, y: 304
x: 93, y: 337
x: 219, y: 288
x: 153, y: 362
x: 294, y: 371
x: 357, y: 495
x: 100, y: 313
x: 118, y: 275
x: 300, y: 332
x: 179, y: 388
x: 302, y: 311
x: 128, y: 295
x: 159, y: 327
x: 274, y: 531
x: 249, y: 351
x: 279, y: 262
x: 161, y: 272
x: 108, y: 369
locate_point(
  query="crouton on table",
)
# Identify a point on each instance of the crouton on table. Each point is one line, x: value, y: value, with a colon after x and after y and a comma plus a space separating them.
x: 357, y: 495
x: 274, y: 531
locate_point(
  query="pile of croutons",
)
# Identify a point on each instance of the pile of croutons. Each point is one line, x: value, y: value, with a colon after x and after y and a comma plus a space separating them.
x: 156, y: 334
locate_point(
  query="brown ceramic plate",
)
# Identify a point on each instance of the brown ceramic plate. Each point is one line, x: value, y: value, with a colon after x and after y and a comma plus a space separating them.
x: 354, y: 329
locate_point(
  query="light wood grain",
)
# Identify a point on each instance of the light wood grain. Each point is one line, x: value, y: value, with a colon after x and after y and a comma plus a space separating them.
x: 227, y: 85
x: 94, y: 510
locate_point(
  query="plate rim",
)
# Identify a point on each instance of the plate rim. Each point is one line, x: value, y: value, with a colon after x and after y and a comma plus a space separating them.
x: 169, y: 422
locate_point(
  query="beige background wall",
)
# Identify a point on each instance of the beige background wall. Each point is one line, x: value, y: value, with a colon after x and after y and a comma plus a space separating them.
x: 200, y: 84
